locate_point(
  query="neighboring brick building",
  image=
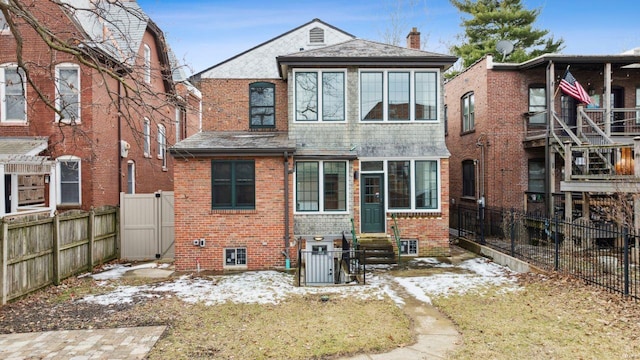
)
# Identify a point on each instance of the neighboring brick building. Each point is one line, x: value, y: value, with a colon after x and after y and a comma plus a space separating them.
x: 507, y: 148
x: 294, y: 148
x: 109, y: 136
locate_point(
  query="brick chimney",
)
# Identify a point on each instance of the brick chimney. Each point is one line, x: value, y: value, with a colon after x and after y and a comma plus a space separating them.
x: 413, y: 39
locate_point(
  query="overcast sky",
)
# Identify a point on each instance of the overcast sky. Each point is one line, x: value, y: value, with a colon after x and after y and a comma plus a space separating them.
x: 203, y: 33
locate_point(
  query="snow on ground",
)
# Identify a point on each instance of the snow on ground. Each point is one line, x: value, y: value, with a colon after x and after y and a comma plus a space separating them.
x: 272, y: 286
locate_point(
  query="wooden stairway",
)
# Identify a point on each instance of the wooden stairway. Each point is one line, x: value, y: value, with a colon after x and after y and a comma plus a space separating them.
x: 378, y: 249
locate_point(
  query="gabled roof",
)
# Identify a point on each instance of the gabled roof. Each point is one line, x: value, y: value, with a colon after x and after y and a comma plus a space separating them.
x: 365, y: 53
x: 280, y: 45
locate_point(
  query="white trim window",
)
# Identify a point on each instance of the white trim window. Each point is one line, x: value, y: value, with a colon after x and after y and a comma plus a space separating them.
x: 146, y: 133
x: 13, y: 95
x: 147, y: 63
x: 162, y: 145
x: 69, y: 180
x: 68, y: 93
x: 235, y: 257
x: 413, y: 185
x: 321, y: 186
x: 4, y: 26
x: 318, y: 101
x: 131, y: 177
x: 409, y: 247
x: 399, y: 95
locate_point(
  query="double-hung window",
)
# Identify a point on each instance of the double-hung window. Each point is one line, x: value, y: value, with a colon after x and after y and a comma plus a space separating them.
x: 468, y: 112
x: 403, y: 95
x: 162, y: 145
x: 537, y: 104
x: 146, y: 133
x: 147, y: 63
x: 4, y: 26
x: 468, y: 179
x: 68, y: 93
x: 233, y: 184
x: 413, y: 184
x: 320, y: 95
x: 12, y: 92
x: 321, y: 186
x: 262, y: 105
x: 69, y: 180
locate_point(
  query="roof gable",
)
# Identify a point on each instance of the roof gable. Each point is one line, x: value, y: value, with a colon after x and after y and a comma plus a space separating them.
x: 260, y: 61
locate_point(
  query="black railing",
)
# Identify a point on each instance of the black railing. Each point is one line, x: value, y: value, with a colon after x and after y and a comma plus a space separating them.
x: 331, y: 267
x: 597, y: 251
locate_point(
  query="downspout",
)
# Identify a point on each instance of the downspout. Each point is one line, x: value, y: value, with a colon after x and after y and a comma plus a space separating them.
x: 285, y: 252
x: 119, y: 140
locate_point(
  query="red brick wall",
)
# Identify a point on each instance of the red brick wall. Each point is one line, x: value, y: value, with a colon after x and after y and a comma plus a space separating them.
x: 261, y: 230
x: 225, y: 104
x: 95, y: 139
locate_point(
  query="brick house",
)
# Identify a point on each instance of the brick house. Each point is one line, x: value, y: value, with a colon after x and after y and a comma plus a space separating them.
x: 509, y: 126
x: 109, y: 136
x: 306, y: 137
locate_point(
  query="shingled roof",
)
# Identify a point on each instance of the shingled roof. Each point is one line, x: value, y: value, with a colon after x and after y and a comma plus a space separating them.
x: 365, y: 53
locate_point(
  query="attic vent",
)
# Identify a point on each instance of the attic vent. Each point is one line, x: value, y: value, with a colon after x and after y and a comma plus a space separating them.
x: 316, y: 35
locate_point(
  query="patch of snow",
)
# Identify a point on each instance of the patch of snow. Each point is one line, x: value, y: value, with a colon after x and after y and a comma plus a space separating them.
x: 271, y: 287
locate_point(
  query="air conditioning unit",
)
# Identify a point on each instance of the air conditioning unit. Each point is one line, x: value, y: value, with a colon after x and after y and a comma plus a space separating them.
x: 124, y: 148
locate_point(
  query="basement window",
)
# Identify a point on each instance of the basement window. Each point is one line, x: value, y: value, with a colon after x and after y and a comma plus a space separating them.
x: 235, y: 257
x: 409, y: 247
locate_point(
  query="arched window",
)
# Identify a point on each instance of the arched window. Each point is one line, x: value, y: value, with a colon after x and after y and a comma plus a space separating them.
x: 131, y: 177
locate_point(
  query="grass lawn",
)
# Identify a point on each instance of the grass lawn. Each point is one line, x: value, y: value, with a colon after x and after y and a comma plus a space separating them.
x: 550, y: 318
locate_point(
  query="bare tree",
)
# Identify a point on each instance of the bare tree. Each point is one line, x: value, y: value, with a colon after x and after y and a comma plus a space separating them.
x: 398, y: 27
x: 104, y: 39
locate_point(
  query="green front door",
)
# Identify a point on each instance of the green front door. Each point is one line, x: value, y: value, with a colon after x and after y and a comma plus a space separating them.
x: 372, y: 203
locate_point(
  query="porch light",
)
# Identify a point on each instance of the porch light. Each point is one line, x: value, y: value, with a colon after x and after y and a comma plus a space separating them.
x: 318, y: 238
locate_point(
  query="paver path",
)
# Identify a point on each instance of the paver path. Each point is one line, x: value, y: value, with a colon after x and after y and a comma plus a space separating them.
x: 113, y: 344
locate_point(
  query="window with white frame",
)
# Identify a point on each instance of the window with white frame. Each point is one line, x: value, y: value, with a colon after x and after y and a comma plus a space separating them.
x: 146, y: 133
x: 399, y: 95
x: 409, y: 247
x: 162, y: 144
x: 413, y: 184
x: 235, y: 257
x: 537, y: 104
x: 68, y: 93
x: 321, y: 186
x: 131, y: 177
x: 147, y: 63
x: 468, y: 104
x: 69, y: 180
x: 4, y: 26
x: 13, y: 108
x: 638, y: 105
x: 319, y: 95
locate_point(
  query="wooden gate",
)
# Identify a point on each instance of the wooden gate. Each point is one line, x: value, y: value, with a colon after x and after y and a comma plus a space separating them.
x: 147, y: 226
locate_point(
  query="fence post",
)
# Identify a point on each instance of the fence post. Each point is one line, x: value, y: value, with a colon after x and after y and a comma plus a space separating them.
x: 459, y: 221
x: 299, y: 266
x: 513, y: 233
x: 626, y: 263
x: 556, y: 241
x: 56, y: 249
x: 3, y: 262
x: 92, y: 237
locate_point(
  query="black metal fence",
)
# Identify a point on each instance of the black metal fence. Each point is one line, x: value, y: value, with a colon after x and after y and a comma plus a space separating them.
x: 597, y: 251
x: 331, y: 267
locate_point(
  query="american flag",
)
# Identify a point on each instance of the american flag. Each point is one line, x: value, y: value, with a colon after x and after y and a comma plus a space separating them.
x: 572, y: 87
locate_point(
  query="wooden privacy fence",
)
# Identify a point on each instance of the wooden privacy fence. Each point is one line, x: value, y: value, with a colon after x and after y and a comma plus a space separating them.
x: 35, y: 252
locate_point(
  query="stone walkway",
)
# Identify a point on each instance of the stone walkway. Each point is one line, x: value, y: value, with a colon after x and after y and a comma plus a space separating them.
x: 113, y: 344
